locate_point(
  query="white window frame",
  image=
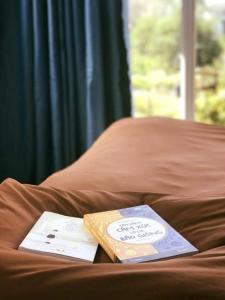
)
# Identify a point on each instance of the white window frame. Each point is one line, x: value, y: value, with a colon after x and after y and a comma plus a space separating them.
x: 188, y: 59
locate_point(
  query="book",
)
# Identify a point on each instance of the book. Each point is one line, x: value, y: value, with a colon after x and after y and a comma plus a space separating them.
x: 136, y: 234
x: 59, y: 235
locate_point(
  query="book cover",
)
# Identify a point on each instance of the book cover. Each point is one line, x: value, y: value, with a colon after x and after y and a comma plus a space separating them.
x: 59, y: 235
x: 136, y: 234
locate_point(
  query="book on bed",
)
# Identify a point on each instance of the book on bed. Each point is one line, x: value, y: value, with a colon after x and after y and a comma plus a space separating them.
x: 136, y: 234
x: 59, y: 235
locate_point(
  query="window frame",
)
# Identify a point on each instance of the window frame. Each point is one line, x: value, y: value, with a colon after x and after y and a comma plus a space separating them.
x: 188, y: 59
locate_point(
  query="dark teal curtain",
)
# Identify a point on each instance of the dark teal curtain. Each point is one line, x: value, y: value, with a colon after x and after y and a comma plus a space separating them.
x: 63, y: 80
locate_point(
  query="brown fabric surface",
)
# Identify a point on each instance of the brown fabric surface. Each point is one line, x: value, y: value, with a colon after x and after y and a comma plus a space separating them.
x: 158, y: 155
x: 23, y: 276
x: 176, y: 167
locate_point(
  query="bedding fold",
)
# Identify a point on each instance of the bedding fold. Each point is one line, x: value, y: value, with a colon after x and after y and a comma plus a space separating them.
x: 155, y: 155
x: 200, y: 219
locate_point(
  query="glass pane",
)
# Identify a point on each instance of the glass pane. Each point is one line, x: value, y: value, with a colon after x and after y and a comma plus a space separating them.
x: 155, y: 48
x: 210, y: 60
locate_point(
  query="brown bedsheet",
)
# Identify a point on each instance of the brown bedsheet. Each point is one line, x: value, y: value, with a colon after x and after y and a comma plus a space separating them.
x: 159, y: 155
x: 176, y: 167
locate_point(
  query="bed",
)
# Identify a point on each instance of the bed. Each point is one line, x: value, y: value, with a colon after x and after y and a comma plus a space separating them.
x: 177, y: 167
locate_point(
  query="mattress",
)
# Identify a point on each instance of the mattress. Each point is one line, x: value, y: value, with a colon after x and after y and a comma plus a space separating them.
x: 176, y: 167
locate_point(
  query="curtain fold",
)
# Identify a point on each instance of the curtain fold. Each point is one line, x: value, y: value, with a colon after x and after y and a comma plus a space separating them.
x: 63, y: 80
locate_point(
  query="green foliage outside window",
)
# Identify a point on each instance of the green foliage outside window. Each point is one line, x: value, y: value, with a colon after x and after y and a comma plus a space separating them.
x: 155, y: 66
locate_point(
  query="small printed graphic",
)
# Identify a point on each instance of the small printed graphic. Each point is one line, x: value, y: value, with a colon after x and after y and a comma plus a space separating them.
x: 50, y: 236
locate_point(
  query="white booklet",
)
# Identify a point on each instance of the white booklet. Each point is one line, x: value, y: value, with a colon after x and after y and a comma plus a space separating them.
x: 58, y: 235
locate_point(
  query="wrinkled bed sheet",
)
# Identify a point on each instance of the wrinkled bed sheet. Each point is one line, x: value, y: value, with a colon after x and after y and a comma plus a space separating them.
x: 176, y: 167
x: 159, y: 155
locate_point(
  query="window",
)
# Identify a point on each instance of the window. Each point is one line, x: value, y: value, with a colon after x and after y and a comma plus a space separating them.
x: 155, y: 49
x: 177, y: 51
